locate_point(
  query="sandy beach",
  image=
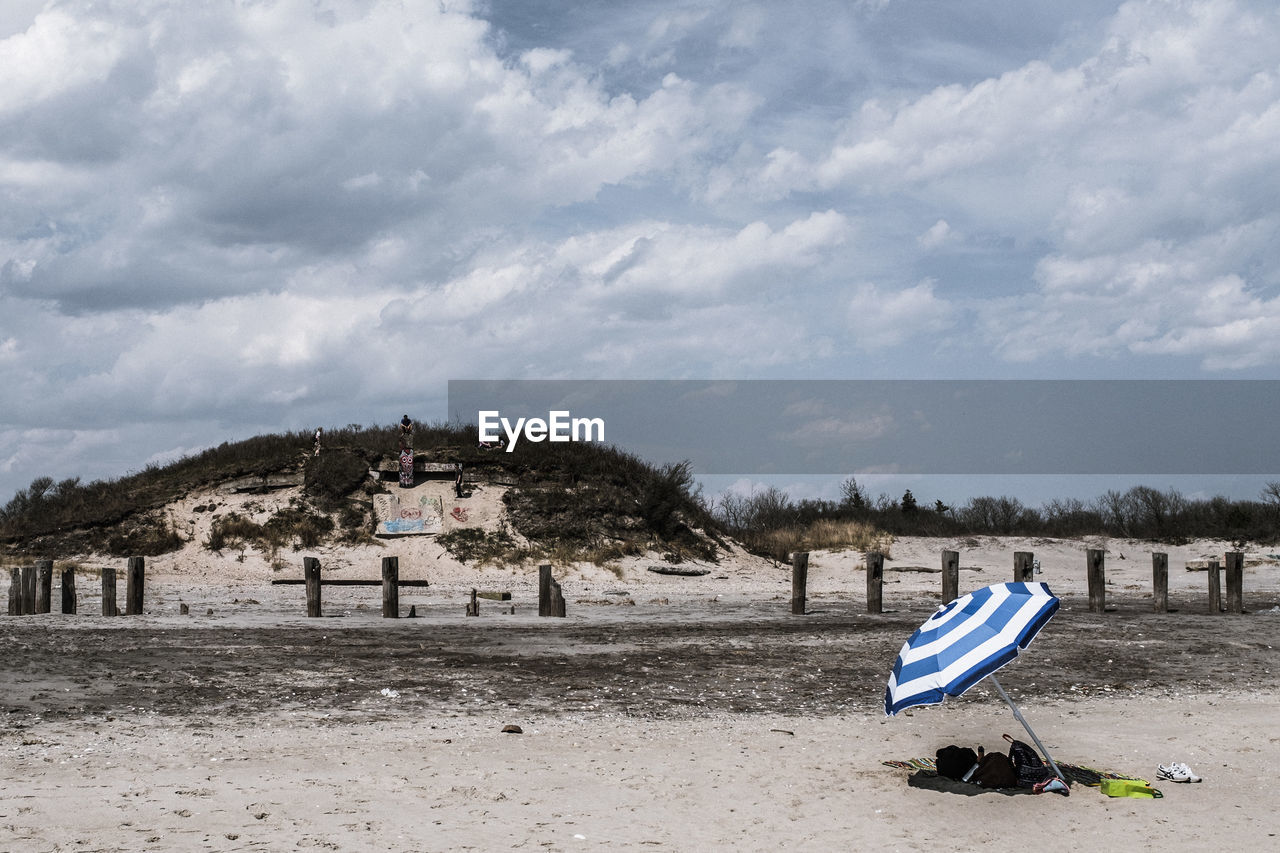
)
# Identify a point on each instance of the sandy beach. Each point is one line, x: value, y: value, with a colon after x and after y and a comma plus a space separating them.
x: 664, y: 713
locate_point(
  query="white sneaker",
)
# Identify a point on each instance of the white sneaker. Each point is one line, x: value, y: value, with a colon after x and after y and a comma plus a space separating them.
x: 1176, y: 772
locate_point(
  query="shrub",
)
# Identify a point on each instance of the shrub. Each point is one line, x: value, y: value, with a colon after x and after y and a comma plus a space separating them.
x: 335, y: 474
x: 664, y: 495
x: 149, y: 536
x: 473, y: 545
x: 232, y: 531
x: 297, y: 522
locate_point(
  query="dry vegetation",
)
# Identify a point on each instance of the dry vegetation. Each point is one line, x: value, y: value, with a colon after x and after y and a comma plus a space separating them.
x: 770, y: 522
x: 569, y: 502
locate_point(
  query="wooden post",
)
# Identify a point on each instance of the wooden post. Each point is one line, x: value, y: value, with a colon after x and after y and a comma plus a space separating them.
x: 109, y: 592
x: 69, y: 589
x: 44, y: 586
x: 1160, y: 582
x: 544, y: 589
x: 473, y: 609
x: 1215, y: 587
x: 1096, y: 563
x: 1023, y: 567
x: 311, y: 573
x: 1235, y: 582
x: 799, y: 580
x: 28, y: 590
x: 15, y: 591
x: 133, y: 586
x: 391, y: 587
x: 875, y: 582
x: 557, y: 599
x: 950, y: 576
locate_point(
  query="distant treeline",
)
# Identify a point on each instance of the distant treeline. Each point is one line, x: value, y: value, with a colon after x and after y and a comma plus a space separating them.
x: 1140, y: 512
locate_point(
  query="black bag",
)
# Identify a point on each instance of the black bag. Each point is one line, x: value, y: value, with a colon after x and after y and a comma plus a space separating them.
x: 995, y: 770
x: 1027, y: 764
x: 955, y: 761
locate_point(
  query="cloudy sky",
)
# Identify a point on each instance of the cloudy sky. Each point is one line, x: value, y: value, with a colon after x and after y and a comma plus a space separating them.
x: 218, y: 219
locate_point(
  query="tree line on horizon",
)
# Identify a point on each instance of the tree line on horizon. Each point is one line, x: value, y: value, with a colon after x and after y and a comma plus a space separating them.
x: 1140, y: 512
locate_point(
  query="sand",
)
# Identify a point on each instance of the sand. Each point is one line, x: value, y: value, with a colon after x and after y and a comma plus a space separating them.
x: 665, y: 713
x: 574, y: 783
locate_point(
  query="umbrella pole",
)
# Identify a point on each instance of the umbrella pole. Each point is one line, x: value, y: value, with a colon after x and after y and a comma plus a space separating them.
x: 1023, y: 720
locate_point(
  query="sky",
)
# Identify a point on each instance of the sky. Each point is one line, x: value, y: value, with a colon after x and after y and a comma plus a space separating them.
x: 229, y: 218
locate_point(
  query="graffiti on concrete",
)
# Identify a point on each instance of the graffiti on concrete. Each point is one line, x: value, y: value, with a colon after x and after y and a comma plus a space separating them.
x: 398, y: 517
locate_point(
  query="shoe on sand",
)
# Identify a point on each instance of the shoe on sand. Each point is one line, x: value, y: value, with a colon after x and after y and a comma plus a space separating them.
x: 1177, y: 772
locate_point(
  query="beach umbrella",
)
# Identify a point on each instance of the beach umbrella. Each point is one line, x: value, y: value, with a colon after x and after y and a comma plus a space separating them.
x: 966, y: 641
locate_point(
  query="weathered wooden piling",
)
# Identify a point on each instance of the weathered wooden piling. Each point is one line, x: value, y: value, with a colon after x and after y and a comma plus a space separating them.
x: 1215, y: 587
x: 134, y: 583
x: 311, y: 574
x: 550, y: 596
x: 109, y: 592
x: 44, y: 586
x: 1160, y: 582
x: 1235, y: 582
x: 544, y: 589
x: 1024, y: 563
x: 557, y: 599
x: 391, y: 587
x: 875, y: 582
x: 68, y: 589
x: 950, y: 576
x: 799, y: 581
x: 473, y: 608
x: 15, y: 591
x: 1096, y: 565
x: 28, y: 590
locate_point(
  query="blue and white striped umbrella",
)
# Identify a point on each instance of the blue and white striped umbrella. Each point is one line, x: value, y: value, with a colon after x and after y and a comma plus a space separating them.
x: 967, y: 640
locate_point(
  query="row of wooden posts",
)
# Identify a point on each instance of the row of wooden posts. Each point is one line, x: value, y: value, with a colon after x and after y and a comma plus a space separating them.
x: 550, y: 596
x: 31, y: 588
x: 1023, y: 572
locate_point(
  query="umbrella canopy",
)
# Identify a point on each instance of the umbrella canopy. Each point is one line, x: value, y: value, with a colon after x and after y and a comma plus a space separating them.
x: 967, y: 640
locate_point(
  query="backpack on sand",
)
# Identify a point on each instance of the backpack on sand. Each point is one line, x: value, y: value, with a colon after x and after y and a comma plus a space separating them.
x: 1027, y: 764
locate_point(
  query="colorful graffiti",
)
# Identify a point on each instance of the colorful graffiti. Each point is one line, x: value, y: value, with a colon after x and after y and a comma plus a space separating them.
x: 397, y: 518
x: 406, y: 468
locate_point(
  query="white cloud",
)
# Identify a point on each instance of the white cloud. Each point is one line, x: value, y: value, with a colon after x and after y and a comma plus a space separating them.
x: 270, y: 126
x: 938, y: 234
x: 823, y: 431
x: 1158, y: 298
x: 55, y: 55
x: 541, y: 60
x: 1136, y: 168
x: 884, y: 318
